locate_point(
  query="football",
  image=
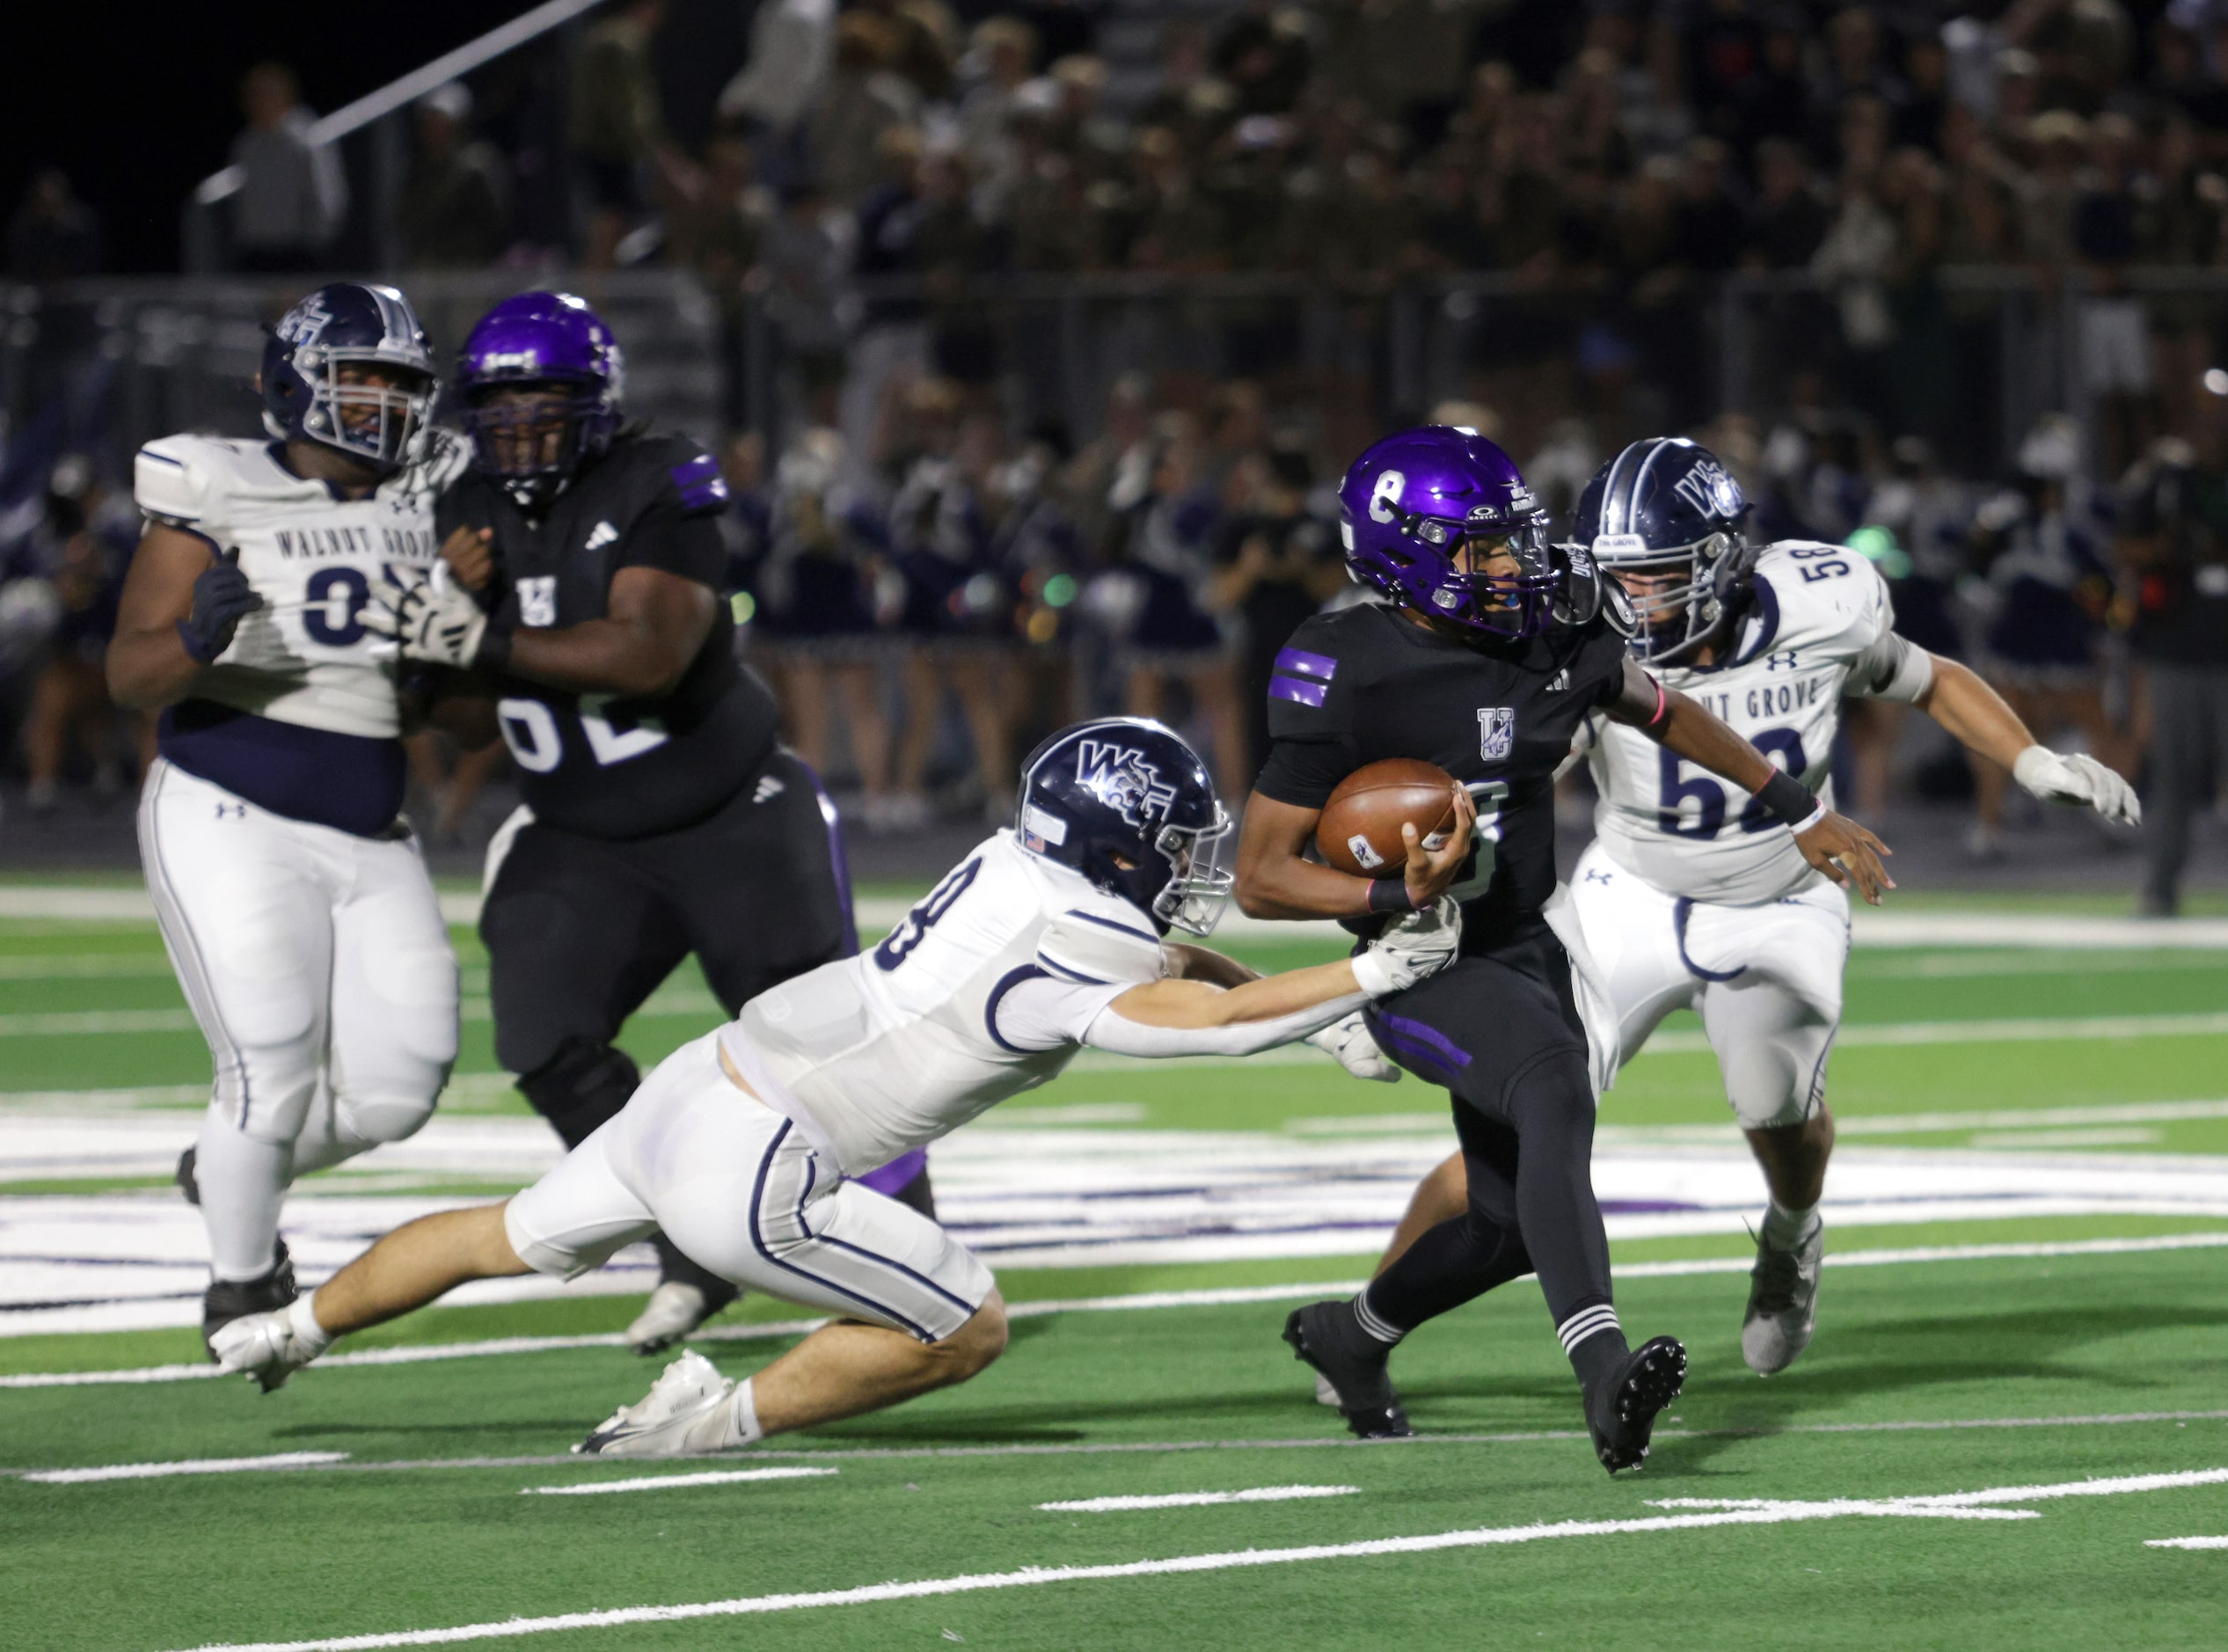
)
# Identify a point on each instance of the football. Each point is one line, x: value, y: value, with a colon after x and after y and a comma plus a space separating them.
x: 1360, y: 827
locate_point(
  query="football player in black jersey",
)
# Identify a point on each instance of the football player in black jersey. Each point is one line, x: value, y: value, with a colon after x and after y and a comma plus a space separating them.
x: 1491, y: 646
x: 581, y: 590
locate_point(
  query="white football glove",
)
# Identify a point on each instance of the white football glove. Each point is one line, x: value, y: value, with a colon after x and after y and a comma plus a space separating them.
x: 2059, y: 778
x: 1349, y: 1042
x: 1419, y: 945
x: 269, y: 1348
x: 430, y: 618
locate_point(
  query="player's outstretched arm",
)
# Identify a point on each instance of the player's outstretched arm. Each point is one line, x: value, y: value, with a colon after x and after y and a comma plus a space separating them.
x: 1274, y: 880
x: 1835, y: 844
x: 179, y: 606
x: 1191, y: 1017
x: 1977, y: 716
x: 654, y: 623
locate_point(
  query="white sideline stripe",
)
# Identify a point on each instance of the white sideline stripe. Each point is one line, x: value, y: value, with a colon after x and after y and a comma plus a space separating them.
x: 1338, y: 1442
x: 659, y: 1482
x: 2185, y: 1543
x: 1199, y: 1499
x: 1961, y: 1505
x: 422, y: 1353
x: 190, y: 1466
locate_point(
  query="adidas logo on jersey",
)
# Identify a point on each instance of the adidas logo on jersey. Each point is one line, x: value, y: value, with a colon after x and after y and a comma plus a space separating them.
x: 601, y: 535
x: 768, y: 786
x: 1560, y: 684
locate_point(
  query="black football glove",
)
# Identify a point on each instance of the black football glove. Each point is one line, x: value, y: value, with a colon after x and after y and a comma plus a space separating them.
x: 221, y: 598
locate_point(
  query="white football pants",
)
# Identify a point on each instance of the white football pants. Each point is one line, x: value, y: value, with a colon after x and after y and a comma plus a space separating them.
x: 1765, y: 980
x: 315, y: 962
x: 739, y: 1188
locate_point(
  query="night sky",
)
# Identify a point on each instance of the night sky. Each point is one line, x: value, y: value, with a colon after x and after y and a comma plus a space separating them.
x: 138, y: 102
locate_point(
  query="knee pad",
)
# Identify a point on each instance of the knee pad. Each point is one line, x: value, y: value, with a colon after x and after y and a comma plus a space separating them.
x: 586, y: 1083
x: 381, y: 1118
x: 272, y: 1105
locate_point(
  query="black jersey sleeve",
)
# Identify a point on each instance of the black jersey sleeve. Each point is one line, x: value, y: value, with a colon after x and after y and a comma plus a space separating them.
x: 1310, y: 719
x: 1600, y: 663
x: 666, y: 538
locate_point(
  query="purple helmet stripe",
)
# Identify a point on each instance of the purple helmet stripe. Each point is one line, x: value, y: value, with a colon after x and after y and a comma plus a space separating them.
x: 1300, y: 663
x: 1296, y: 689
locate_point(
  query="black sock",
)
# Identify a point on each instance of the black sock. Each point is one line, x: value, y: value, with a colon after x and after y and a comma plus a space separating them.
x: 1595, y: 1342
x: 1454, y: 1262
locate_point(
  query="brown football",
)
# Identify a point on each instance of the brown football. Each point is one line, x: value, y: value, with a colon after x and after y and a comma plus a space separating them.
x: 1360, y: 827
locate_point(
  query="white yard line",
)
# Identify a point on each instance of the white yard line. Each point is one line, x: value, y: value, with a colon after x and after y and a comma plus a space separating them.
x: 425, y: 1353
x: 1199, y: 1499
x: 190, y: 1466
x: 1164, y: 1448
x: 1961, y: 1505
x: 2185, y: 1543
x: 663, y: 1482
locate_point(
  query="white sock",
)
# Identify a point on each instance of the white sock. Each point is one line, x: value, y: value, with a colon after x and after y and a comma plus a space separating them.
x: 242, y: 1183
x: 742, y: 1416
x: 1785, y: 1229
x: 303, y: 1320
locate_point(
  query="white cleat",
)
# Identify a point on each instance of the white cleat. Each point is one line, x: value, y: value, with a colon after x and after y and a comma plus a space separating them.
x: 689, y: 1409
x: 263, y: 1346
x: 1782, y: 1304
x: 672, y: 1312
x: 1326, y: 1395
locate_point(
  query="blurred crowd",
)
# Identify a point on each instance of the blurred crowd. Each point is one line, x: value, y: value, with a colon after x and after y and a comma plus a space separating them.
x: 936, y: 569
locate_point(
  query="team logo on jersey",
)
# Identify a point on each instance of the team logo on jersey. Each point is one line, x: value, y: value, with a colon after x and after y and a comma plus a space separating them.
x: 1496, y: 732
x: 537, y: 601
x: 1120, y: 778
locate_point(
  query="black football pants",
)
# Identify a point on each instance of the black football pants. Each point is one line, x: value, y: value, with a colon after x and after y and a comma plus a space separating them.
x: 1502, y: 1033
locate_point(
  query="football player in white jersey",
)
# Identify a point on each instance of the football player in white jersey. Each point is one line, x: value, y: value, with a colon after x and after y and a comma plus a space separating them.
x: 291, y: 895
x: 745, y: 1145
x: 1689, y: 897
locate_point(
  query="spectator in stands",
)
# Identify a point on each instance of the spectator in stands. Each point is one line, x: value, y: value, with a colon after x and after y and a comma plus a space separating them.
x: 81, y: 547
x: 792, y: 46
x: 620, y: 140
x: 2173, y: 553
x: 863, y: 104
x: 1262, y: 51
x: 454, y: 208
x: 1790, y: 215
x: 53, y: 236
x: 293, y: 195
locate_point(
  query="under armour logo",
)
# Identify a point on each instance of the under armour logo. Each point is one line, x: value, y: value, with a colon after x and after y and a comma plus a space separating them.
x: 238, y: 811
x: 1595, y: 874
x: 768, y: 786
x: 1783, y: 660
x: 1560, y: 684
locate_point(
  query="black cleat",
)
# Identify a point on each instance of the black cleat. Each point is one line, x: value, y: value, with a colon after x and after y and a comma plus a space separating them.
x: 229, y: 1299
x: 1621, y: 1412
x: 188, y: 1182
x: 1326, y: 1335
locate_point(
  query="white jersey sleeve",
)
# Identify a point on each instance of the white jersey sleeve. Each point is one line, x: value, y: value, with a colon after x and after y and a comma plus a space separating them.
x: 1821, y: 612
x: 314, y: 557
x: 902, y: 1044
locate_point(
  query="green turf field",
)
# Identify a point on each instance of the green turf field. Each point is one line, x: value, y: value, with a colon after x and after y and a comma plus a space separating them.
x: 2000, y: 1417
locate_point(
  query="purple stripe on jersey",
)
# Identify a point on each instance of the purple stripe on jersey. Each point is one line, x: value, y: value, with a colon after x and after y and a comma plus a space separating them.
x: 1300, y: 663
x: 1430, y: 1037
x: 1291, y: 688
x: 704, y: 495
x: 692, y: 470
x: 892, y: 1178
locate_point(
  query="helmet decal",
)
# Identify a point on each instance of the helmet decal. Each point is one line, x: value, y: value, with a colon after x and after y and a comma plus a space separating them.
x: 1665, y: 516
x: 1119, y: 776
x: 348, y: 368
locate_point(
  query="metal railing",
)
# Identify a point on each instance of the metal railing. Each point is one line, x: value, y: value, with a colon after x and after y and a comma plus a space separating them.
x: 201, y: 238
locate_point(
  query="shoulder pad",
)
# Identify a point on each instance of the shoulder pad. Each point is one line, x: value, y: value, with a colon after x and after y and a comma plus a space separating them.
x: 1103, y: 942
x: 171, y: 479
x: 1812, y: 597
x: 685, y: 472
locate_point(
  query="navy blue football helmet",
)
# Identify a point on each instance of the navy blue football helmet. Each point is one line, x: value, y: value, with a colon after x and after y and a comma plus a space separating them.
x: 1665, y: 514
x: 343, y: 325
x: 1130, y: 787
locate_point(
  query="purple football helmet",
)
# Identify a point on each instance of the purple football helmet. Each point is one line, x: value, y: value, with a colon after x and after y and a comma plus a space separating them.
x: 1410, y: 503
x: 542, y: 341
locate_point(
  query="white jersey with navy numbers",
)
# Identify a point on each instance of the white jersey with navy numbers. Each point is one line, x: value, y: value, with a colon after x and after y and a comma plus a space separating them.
x: 1821, y: 627
x: 304, y: 657
x: 902, y: 1044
